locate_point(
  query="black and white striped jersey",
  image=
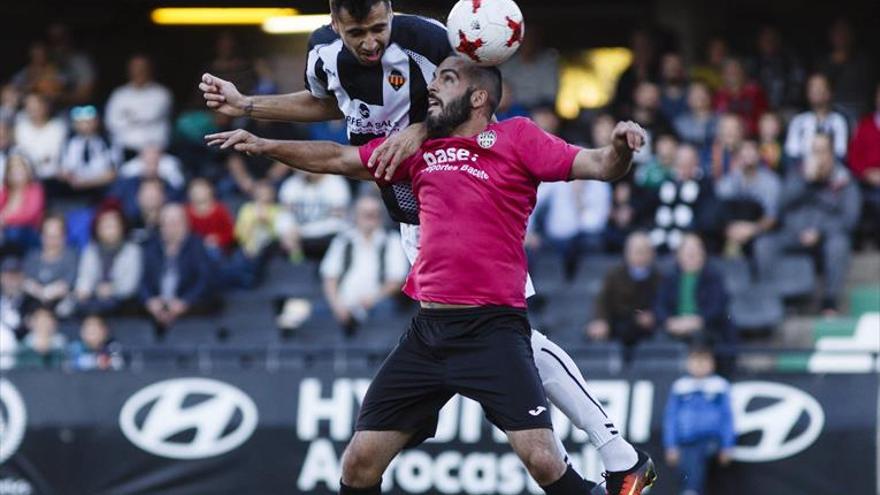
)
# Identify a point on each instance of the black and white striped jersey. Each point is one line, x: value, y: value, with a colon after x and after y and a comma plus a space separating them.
x: 382, y: 99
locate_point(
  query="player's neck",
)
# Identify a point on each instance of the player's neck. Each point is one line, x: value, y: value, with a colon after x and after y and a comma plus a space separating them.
x: 471, y: 127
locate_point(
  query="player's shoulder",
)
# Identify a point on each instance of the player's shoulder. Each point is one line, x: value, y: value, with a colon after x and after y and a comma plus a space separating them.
x: 516, y: 125
x: 422, y: 35
x: 324, y: 35
x: 518, y: 121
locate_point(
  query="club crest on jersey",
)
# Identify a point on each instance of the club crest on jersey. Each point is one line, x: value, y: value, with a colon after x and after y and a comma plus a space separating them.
x: 396, y: 79
x: 364, y: 111
x: 487, y: 139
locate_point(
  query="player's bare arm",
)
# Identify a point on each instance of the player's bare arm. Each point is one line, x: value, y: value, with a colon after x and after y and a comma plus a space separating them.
x: 222, y: 96
x: 613, y: 161
x: 320, y: 157
x: 394, y: 150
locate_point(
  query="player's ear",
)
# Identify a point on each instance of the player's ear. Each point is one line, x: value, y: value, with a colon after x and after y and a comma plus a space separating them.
x: 479, y: 98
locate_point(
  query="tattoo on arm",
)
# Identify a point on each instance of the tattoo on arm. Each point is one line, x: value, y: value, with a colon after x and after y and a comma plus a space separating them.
x: 249, y: 107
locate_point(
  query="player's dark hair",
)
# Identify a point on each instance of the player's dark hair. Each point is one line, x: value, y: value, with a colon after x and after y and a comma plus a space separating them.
x: 358, y: 9
x: 488, y: 79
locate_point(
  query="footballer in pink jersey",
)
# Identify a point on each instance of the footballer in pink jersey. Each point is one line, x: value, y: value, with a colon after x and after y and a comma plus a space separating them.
x: 476, y: 182
x: 486, y: 185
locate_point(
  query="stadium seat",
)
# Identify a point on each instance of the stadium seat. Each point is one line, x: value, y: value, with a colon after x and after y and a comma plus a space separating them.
x: 793, y: 276
x: 319, y: 330
x: 652, y: 355
x: 162, y: 356
x: 758, y: 308
x: 248, y: 328
x: 238, y: 357
x: 132, y: 332
x: 596, y: 357
x: 566, y: 314
x: 737, y: 274
x: 292, y: 280
x: 192, y: 331
x: 545, y: 263
x: 593, y: 268
x: 383, y: 334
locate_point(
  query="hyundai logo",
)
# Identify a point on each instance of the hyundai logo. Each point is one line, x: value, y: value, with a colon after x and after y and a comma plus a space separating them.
x: 785, y: 419
x: 13, y: 418
x: 188, y: 418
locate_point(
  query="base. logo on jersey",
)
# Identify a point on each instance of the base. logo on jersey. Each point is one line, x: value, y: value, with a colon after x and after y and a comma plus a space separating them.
x: 396, y: 79
x: 364, y: 111
x: 487, y: 139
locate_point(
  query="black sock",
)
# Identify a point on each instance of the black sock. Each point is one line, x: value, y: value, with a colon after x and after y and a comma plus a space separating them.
x: 347, y: 490
x: 571, y: 483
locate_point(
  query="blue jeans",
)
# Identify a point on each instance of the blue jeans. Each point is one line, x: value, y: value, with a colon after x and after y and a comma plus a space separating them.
x: 695, y: 459
x: 20, y: 238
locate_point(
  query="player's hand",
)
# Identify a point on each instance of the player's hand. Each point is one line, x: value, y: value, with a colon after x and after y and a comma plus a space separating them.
x: 222, y: 96
x: 672, y: 457
x: 598, y: 330
x: 342, y: 314
x: 628, y: 137
x: 104, y: 290
x: 177, y: 307
x: 725, y: 457
x: 810, y: 237
x: 398, y: 147
x: 645, y: 319
x: 369, y: 302
x: 155, y: 306
x: 239, y: 140
x: 872, y: 176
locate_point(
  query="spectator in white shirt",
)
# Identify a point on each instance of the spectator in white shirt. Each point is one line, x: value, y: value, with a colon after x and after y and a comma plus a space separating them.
x: 139, y: 113
x: 153, y: 158
x: 89, y: 161
x: 316, y: 209
x: 40, y: 137
x: 363, y: 268
x: 819, y: 119
x: 572, y: 216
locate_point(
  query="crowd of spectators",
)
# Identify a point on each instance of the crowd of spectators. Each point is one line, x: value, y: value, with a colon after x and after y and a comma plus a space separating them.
x: 753, y: 155
x: 111, y: 205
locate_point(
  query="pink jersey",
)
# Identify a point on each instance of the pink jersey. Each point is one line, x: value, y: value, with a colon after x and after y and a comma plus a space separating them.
x: 476, y: 195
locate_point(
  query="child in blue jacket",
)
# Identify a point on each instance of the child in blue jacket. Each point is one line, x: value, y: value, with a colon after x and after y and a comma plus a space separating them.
x: 698, y: 424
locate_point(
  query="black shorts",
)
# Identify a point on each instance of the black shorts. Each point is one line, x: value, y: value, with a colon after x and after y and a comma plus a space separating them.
x: 481, y: 353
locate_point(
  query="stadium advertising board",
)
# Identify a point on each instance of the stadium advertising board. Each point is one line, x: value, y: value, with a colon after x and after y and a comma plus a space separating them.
x: 281, y: 433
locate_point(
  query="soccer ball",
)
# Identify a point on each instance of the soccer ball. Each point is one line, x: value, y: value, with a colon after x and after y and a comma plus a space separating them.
x: 485, y: 31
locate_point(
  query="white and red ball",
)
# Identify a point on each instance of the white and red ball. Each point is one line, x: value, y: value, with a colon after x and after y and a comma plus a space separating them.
x: 486, y: 31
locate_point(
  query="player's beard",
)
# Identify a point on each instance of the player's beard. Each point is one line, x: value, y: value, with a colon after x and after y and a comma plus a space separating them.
x: 454, y: 113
